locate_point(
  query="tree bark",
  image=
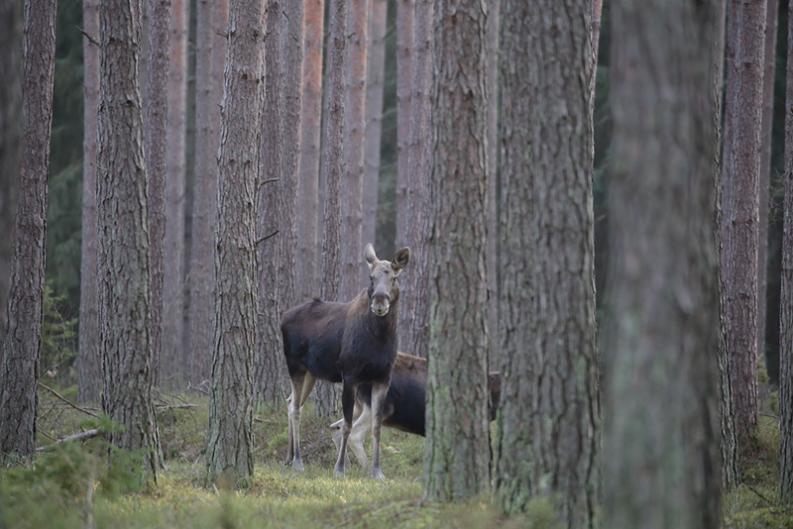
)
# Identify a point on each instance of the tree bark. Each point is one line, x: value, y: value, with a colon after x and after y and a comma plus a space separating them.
x: 230, y: 443
x: 786, y: 305
x: 378, y: 14
x: 89, y: 364
x: 308, y: 185
x: 661, y: 463
x: 122, y: 207
x: 332, y: 166
x: 550, y: 416
x: 404, y: 55
x: 457, y: 447
x: 597, y: 10
x: 19, y: 370
x: 352, y: 266
x: 175, y: 359
x: 155, y: 106
x: 10, y: 135
x: 739, y: 203
x: 766, y: 141
x: 494, y: 37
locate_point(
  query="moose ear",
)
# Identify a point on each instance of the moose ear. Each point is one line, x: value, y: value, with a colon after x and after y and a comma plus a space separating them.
x: 401, y: 259
x: 369, y: 254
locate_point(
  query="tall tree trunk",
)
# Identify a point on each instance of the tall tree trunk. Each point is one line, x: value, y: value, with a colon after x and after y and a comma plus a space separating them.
x: 352, y: 266
x: 332, y: 167
x: 211, y: 21
x: 310, y: 118
x: 597, y: 10
x: 786, y: 304
x: 174, y: 357
x: 19, y: 370
x: 547, y: 255
x: 10, y: 133
x: 155, y: 106
x: 89, y: 364
x: 662, y: 461
x: 493, y: 39
x: 230, y: 443
x: 122, y: 207
x: 404, y: 56
x: 739, y: 203
x: 457, y: 448
x: 378, y: 14
x: 766, y: 142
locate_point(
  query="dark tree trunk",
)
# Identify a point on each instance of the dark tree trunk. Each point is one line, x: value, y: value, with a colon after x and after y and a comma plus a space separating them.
x: 230, y: 443
x: 786, y: 305
x: 415, y: 233
x: 122, y: 207
x: 404, y: 60
x: 661, y: 463
x: 174, y: 365
x: 19, y: 370
x: 547, y: 298
x: 89, y: 364
x: 378, y: 14
x: 155, y: 106
x: 352, y: 266
x: 211, y: 20
x: 308, y: 185
x: 493, y: 39
x: 739, y: 203
x: 457, y: 448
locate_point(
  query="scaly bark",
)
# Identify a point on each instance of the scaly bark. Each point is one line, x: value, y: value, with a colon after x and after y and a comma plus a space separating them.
x: 404, y: 54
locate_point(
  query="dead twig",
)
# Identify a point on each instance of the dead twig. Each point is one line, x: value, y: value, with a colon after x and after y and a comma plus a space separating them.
x: 262, y: 239
x: 79, y: 436
x: 89, y: 37
x: 759, y: 495
x: 268, y: 181
x: 67, y: 401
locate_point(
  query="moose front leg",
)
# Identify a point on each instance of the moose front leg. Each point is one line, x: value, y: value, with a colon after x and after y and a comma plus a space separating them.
x: 348, y: 406
x: 379, y: 391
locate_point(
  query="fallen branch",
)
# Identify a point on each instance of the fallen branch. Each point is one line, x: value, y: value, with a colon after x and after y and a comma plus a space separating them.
x: 175, y: 406
x: 80, y: 436
x: 761, y: 496
x: 67, y: 401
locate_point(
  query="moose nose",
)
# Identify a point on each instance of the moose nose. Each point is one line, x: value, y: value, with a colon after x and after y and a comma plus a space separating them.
x: 380, y: 304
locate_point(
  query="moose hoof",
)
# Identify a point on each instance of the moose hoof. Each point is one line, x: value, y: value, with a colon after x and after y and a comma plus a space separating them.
x: 297, y: 465
x: 378, y: 474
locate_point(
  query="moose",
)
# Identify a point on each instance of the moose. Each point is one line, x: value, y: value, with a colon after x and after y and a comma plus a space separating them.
x: 404, y: 406
x: 354, y: 343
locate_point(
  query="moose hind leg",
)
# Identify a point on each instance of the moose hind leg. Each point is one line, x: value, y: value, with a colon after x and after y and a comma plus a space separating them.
x: 379, y: 391
x: 290, y: 451
x: 294, y: 421
x: 348, y: 406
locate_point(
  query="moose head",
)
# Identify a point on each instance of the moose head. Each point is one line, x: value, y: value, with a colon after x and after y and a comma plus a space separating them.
x: 383, y: 283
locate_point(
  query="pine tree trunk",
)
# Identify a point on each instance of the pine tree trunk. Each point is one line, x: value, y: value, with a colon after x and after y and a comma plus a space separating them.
x: 125, y: 344
x: 547, y: 258
x: 174, y: 357
x: 493, y: 37
x: 89, y: 364
x: 155, y: 106
x: 766, y: 142
x: 740, y: 203
x: 378, y: 14
x: 308, y: 185
x: 353, y: 266
x: 661, y: 460
x: 211, y: 21
x: 597, y: 10
x: 786, y: 304
x: 230, y: 443
x: 10, y: 135
x: 457, y: 448
x: 404, y: 55
x: 332, y: 167
x: 19, y: 370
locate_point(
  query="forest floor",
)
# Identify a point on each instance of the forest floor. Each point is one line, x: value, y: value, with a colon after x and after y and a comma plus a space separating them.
x: 73, y: 487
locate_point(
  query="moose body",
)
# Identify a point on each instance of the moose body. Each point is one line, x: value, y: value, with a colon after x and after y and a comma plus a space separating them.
x: 353, y: 343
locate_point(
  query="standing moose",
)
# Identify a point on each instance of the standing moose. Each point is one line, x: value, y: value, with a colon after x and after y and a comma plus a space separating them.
x: 353, y: 343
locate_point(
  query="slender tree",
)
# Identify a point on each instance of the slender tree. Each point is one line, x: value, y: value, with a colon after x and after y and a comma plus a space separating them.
x: 125, y: 344
x: 211, y: 22
x: 786, y: 305
x: 662, y: 461
x: 352, y: 266
x: 332, y: 167
x: 174, y: 358
x: 549, y: 419
x: 739, y: 203
x: 457, y: 448
x: 308, y: 184
x: 493, y: 39
x: 597, y: 10
x: 89, y: 365
x: 378, y: 14
x: 404, y: 56
x: 19, y: 370
x: 229, y: 447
